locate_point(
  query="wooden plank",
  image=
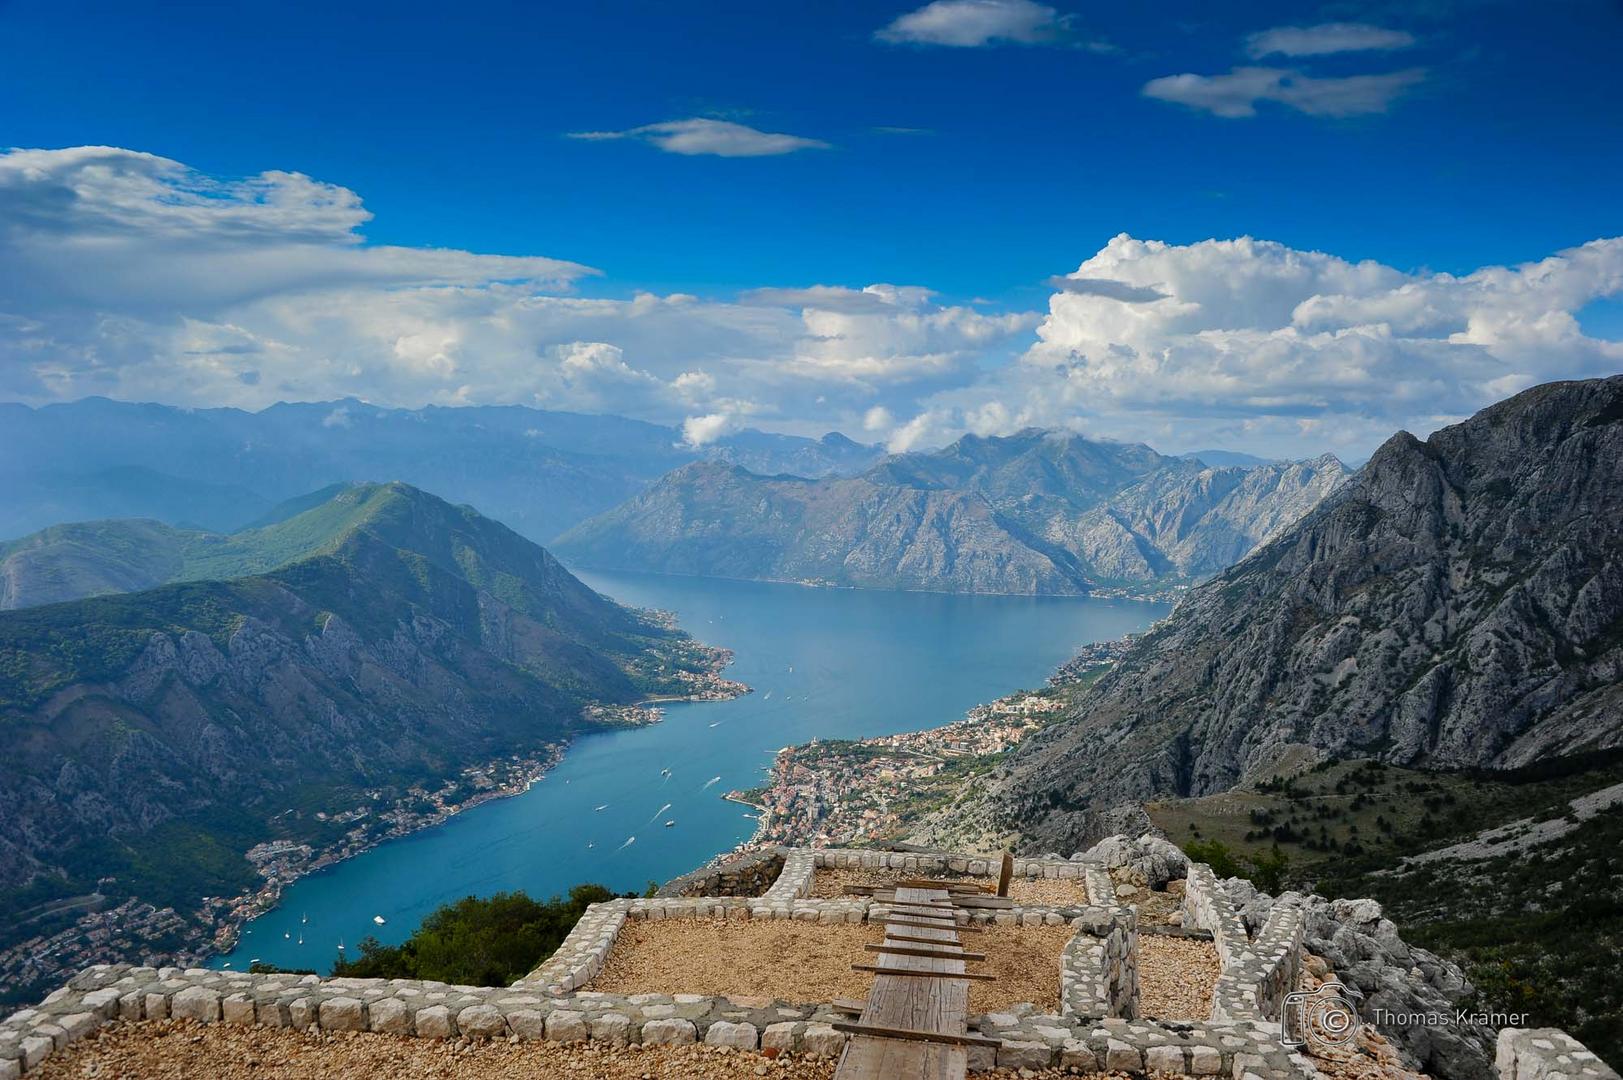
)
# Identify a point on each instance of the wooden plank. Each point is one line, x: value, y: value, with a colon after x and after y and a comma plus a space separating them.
x: 879, y: 1031
x: 930, y: 924
x: 888, y: 896
x: 917, y: 939
x: 951, y: 885
x: 848, y: 1005
x: 1005, y: 872
x: 975, y: 975
x: 984, y: 902
x: 933, y: 954
x: 913, y: 993
x: 925, y: 913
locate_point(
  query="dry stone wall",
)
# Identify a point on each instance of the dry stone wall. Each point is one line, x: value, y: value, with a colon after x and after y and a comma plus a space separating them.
x: 1095, y: 1030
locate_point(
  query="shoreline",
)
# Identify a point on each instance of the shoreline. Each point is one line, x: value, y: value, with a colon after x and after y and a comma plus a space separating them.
x: 1170, y: 595
x: 535, y: 768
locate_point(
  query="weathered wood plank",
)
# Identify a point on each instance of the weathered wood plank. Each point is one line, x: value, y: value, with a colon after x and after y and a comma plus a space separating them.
x: 972, y: 975
x: 930, y: 924
x: 913, y: 1034
x: 1005, y: 872
x: 933, y: 954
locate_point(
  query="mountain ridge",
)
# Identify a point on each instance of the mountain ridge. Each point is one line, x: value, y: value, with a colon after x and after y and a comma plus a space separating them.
x: 1458, y: 603
x: 1040, y: 511
x: 407, y: 640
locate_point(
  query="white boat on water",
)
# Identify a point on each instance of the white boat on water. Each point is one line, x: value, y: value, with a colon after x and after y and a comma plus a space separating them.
x: 600, y: 809
x: 670, y: 824
x: 379, y: 919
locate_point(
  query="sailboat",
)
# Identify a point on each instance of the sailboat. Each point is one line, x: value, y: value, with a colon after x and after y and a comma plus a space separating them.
x: 379, y: 919
x: 301, y: 939
x: 340, y: 944
x: 305, y: 918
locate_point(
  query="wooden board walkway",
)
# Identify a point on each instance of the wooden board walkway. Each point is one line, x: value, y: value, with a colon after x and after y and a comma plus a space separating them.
x: 914, y: 1026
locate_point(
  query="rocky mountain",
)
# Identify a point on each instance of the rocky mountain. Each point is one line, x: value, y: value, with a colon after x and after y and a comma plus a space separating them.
x: 1458, y: 603
x: 378, y: 640
x: 1037, y: 512
x: 537, y: 470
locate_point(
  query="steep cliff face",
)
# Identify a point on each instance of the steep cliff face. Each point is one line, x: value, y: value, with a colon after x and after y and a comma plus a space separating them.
x: 1037, y: 512
x: 415, y: 639
x: 1458, y: 603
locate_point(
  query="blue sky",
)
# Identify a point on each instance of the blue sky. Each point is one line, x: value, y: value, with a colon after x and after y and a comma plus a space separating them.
x: 973, y: 148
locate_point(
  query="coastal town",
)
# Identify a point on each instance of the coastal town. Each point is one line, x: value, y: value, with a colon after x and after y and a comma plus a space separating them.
x: 99, y: 928
x: 845, y: 793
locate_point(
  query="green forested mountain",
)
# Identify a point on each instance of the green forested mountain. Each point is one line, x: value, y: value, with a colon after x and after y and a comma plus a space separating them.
x: 380, y: 639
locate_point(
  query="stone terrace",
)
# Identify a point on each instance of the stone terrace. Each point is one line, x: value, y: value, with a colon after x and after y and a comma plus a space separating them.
x: 1096, y: 1029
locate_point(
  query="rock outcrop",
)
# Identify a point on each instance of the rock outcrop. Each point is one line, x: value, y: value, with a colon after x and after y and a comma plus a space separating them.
x: 1386, y: 977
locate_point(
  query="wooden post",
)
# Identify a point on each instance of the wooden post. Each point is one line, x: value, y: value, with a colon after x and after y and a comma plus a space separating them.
x: 1004, y: 874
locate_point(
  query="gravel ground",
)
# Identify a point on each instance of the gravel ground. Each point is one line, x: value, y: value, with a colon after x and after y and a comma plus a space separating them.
x: 807, y: 962
x: 182, y: 1049
x: 829, y: 884
x: 165, y: 1049
x: 1175, y: 977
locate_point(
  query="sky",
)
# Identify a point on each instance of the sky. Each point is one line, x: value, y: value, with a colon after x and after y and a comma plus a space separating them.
x: 1282, y: 229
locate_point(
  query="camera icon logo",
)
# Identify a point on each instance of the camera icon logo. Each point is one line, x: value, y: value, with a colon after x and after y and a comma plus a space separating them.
x: 1325, y: 1018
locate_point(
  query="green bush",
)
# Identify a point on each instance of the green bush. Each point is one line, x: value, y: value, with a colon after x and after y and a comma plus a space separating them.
x: 477, y: 941
x: 1268, y: 872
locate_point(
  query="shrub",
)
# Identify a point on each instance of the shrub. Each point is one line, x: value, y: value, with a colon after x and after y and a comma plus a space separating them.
x: 477, y: 941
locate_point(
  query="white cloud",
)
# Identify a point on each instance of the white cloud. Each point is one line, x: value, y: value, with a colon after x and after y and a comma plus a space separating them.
x: 1237, y: 93
x: 1324, y: 39
x: 1284, y: 351
x: 130, y: 276
x: 700, y: 430
x: 700, y: 135
x: 974, y: 23
x: 134, y: 277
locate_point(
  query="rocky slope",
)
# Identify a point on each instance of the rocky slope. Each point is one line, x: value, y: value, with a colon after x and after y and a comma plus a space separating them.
x: 1458, y: 603
x: 1038, y: 512
x: 154, y: 736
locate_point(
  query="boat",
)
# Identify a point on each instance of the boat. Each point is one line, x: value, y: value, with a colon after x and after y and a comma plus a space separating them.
x: 340, y: 944
x: 670, y: 824
x: 305, y: 918
x: 286, y: 935
x: 379, y: 919
x: 301, y: 939
x: 600, y: 809
x: 664, y: 772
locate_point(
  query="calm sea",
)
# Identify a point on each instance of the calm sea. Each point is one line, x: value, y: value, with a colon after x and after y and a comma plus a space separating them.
x: 823, y: 662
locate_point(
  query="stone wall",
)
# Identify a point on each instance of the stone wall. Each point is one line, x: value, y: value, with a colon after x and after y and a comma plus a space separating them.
x: 1256, y: 979
x: 1546, y: 1054
x: 1095, y: 1030
x: 1207, y: 905
x: 750, y: 875
x: 1098, y: 969
x: 927, y: 863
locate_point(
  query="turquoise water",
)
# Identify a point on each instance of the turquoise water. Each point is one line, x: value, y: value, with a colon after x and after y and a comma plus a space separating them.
x: 823, y: 663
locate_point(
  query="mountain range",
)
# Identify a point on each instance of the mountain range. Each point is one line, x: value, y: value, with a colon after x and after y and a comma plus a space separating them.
x: 1036, y: 512
x: 1457, y: 604
x: 538, y: 471
x: 376, y: 640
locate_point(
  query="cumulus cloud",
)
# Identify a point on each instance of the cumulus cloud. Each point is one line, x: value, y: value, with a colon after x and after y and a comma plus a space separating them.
x: 1260, y: 345
x: 974, y: 23
x: 1324, y: 39
x: 701, y: 135
x: 135, y: 277
x: 1238, y: 93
